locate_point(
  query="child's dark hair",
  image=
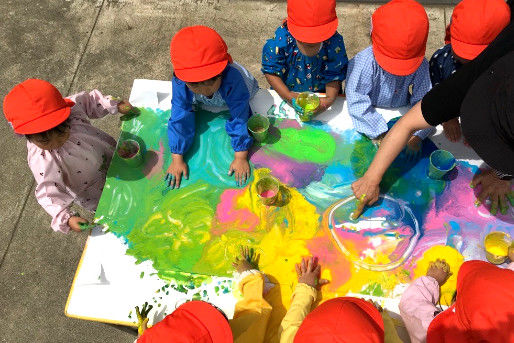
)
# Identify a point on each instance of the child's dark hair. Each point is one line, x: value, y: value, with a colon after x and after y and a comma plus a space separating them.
x: 45, y: 136
x: 207, y: 82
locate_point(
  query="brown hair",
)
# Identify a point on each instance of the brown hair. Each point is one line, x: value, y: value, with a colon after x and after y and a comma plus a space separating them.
x: 45, y: 136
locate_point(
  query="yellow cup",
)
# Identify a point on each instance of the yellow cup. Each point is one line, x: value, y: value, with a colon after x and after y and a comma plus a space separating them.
x: 496, y: 246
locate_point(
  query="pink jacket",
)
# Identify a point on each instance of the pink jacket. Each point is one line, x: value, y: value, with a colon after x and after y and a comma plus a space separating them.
x: 418, y: 306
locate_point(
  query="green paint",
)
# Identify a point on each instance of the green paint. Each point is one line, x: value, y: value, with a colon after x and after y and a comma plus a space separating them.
x: 374, y: 289
x: 141, y: 275
x: 306, y: 145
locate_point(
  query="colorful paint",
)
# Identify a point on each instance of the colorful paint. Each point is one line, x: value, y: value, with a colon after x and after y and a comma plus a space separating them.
x: 193, y: 234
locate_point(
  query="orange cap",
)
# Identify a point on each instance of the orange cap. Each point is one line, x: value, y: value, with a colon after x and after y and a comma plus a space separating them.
x: 198, y: 53
x: 312, y: 21
x: 342, y: 320
x: 35, y: 106
x: 475, y: 24
x: 399, y: 36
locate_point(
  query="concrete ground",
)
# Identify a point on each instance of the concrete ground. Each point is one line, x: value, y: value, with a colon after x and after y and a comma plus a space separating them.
x: 84, y: 44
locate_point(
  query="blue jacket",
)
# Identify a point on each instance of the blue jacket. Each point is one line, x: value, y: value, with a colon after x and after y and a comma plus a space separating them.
x: 236, y: 90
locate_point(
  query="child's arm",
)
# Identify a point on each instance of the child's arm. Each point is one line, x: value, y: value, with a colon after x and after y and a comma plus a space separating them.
x: 304, y: 296
x: 418, y: 302
x: 95, y: 104
x: 366, y: 119
x: 280, y: 87
x: 334, y: 70
x: 421, y: 85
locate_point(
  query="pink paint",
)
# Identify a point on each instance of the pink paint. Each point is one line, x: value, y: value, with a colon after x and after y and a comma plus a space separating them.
x: 268, y: 194
x: 229, y: 216
x: 330, y: 257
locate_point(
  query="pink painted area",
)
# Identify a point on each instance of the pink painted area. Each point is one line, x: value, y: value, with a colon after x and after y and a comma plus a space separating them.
x: 285, y: 124
x: 288, y: 171
x: 154, y: 161
x: 268, y: 194
x: 231, y: 217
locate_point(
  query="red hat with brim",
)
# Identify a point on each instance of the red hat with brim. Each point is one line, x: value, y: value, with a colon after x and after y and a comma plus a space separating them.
x: 192, y: 322
x: 35, y: 106
x: 399, y: 36
x: 312, y: 21
x: 198, y: 53
x: 342, y: 320
x: 483, y: 311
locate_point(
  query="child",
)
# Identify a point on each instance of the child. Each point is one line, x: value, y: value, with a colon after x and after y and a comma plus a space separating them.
x: 307, y: 53
x: 483, y: 310
x: 198, y: 321
x: 204, y: 73
x: 474, y: 24
x: 382, y: 74
x: 343, y: 319
x: 67, y: 155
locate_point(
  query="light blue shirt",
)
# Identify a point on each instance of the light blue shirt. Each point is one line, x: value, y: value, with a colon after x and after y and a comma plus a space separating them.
x: 369, y: 86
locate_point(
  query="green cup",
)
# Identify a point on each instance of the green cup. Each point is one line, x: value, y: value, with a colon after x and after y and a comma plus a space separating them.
x: 441, y: 162
x: 130, y: 152
x: 267, y: 189
x: 309, y: 102
x: 258, y: 126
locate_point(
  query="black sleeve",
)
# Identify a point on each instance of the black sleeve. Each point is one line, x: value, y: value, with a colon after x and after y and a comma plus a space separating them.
x: 443, y: 102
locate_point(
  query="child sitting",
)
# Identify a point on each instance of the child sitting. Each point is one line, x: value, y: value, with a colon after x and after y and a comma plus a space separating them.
x: 199, y: 321
x: 382, y: 74
x: 67, y: 155
x: 474, y: 24
x: 343, y: 319
x: 307, y: 53
x: 204, y: 73
x: 483, y: 308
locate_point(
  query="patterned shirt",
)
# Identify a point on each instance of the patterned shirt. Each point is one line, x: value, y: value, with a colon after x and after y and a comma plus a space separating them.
x: 281, y: 57
x: 369, y: 86
x: 443, y: 64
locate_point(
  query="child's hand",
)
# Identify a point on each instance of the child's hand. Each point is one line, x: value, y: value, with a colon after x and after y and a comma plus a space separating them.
x: 74, y: 221
x: 439, y: 270
x: 324, y: 104
x: 175, y: 171
x: 142, y: 317
x: 240, y: 167
x: 452, y: 130
x: 511, y: 253
x: 309, y: 272
x: 124, y: 107
x: 499, y: 191
x: 249, y: 260
x: 413, y: 148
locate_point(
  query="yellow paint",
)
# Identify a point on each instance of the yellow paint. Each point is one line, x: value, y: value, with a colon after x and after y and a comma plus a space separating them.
x: 452, y: 257
x: 497, y: 243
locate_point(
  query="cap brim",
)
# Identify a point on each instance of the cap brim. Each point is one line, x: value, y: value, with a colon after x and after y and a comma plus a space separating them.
x: 47, y: 121
x: 466, y: 50
x: 396, y: 66
x: 215, y: 323
x: 314, y: 34
x: 477, y: 126
x: 200, y: 74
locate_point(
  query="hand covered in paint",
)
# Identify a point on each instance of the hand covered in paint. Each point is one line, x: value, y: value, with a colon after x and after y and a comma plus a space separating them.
x: 124, y: 107
x: 309, y: 273
x: 324, y: 104
x: 366, y: 191
x: 142, y: 317
x: 240, y: 167
x: 439, y: 270
x: 413, y: 148
x: 74, y: 223
x: 176, y: 170
x: 499, y: 191
x: 247, y: 261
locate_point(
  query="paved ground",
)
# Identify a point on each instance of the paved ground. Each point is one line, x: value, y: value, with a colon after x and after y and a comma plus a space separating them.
x: 84, y: 44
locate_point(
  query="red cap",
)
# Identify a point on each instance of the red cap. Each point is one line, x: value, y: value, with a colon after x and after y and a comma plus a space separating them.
x: 342, y: 320
x: 34, y: 106
x: 192, y: 322
x: 198, y: 53
x: 475, y: 24
x: 484, y: 309
x: 399, y: 36
x: 312, y: 21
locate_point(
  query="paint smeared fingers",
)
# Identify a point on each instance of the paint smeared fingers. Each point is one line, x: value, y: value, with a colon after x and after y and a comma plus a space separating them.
x: 317, y: 270
x: 494, y: 204
x: 504, y: 207
x: 309, y: 264
x: 298, y: 269
x: 304, y: 266
x: 510, y: 196
x: 323, y: 282
x: 178, y: 179
x: 477, y: 179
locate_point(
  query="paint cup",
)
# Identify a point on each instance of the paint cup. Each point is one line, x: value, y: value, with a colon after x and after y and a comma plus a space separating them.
x: 267, y: 188
x: 496, y: 246
x: 309, y: 102
x: 258, y: 126
x: 441, y: 162
x: 130, y: 152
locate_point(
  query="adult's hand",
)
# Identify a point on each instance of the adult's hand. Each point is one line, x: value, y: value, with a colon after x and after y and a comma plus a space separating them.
x: 498, y: 191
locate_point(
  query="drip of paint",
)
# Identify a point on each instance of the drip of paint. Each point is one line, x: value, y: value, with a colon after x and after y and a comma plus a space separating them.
x: 268, y: 194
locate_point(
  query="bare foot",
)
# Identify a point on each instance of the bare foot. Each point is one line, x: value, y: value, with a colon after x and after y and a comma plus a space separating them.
x: 452, y: 130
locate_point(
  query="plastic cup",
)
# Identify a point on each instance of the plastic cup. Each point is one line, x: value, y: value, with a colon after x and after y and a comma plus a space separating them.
x: 496, y: 245
x: 130, y: 152
x: 268, y: 188
x: 258, y: 126
x: 441, y: 162
x: 309, y: 102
